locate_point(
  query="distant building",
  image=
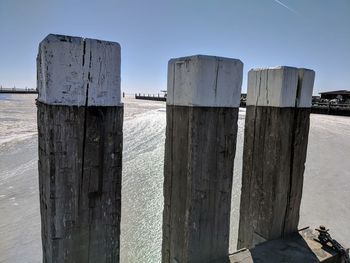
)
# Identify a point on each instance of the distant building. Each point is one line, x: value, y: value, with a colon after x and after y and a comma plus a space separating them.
x: 316, y: 99
x: 341, y: 95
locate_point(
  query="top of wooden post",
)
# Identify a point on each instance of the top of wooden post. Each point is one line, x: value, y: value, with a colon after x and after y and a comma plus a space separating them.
x: 280, y: 87
x: 78, y: 72
x: 204, y: 81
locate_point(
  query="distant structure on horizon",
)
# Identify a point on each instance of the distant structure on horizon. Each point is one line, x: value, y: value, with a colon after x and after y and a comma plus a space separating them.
x: 342, y: 95
x: 14, y: 90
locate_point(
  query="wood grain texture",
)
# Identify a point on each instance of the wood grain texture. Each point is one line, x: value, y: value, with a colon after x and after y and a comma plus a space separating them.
x: 275, y: 144
x: 69, y: 68
x: 80, y: 165
x: 198, y: 169
x: 204, y: 81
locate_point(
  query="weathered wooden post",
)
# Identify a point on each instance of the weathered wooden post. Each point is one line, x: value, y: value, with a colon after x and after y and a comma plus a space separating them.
x: 275, y: 144
x: 80, y: 119
x: 202, y: 111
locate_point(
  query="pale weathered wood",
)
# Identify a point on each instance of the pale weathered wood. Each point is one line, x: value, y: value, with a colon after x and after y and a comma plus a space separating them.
x: 80, y: 125
x: 80, y: 159
x: 199, y: 154
x: 275, y: 145
x: 275, y: 142
x: 300, y: 142
x: 202, y: 111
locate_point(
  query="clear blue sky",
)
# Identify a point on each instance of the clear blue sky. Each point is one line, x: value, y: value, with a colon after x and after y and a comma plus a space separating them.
x: 303, y: 33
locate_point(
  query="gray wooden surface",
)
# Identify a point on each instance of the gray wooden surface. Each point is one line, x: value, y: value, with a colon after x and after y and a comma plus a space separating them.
x: 199, y: 154
x: 275, y: 143
x: 80, y: 164
x: 299, y: 247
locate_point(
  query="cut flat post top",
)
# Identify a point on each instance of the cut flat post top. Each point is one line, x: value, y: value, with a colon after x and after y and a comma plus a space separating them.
x: 202, y: 111
x: 80, y: 130
x: 275, y: 145
x: 280, y: 87
x: 78, y: 72
x: 204, y: 81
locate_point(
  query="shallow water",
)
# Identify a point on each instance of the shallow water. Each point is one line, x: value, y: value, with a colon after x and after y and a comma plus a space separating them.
x: 325, y: 199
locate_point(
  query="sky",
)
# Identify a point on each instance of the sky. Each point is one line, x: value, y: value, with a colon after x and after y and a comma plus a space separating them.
x: 312, y: 34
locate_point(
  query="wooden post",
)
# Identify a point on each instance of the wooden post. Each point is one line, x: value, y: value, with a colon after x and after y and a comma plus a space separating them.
x: 202, y: 111
x: 80, y: 119
x: 275, y: 144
